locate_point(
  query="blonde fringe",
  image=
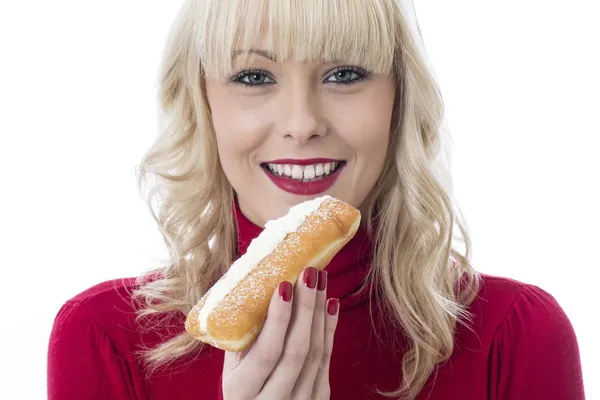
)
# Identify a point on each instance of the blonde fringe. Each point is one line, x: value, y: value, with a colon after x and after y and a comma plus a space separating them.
x: 191, y: 200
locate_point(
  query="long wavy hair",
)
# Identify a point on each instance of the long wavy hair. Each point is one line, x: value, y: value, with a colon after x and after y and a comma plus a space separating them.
x: 421, y: 256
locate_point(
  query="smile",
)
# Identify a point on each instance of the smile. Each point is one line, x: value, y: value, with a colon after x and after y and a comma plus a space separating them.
x: 304, y: 177
x: 304, y: 173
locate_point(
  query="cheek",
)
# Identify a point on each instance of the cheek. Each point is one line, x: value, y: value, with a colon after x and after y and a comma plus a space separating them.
x: 238, y: 129
x: 365, y: 127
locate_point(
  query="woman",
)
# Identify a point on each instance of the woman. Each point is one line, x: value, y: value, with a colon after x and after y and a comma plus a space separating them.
x: 271, y: 103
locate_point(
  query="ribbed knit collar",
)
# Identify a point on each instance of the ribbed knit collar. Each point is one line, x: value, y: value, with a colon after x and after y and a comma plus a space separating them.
x: 346, y: 272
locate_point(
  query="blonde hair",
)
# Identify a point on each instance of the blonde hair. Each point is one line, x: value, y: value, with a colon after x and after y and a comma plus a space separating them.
x: 426, y: 282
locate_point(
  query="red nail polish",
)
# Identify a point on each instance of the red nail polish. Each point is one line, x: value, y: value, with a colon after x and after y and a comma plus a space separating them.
x: 322, y: 280
x: 310, y: 277
x: 332, y: 306
x: 285, y: 291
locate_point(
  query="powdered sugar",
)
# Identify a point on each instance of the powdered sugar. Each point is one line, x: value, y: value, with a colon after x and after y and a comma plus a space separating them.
x: 274, y: 233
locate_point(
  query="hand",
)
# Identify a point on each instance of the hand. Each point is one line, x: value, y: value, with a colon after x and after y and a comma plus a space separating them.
x: 290, y: 357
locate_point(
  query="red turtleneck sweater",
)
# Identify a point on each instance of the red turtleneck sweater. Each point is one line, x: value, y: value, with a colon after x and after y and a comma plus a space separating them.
x: 521, y: 346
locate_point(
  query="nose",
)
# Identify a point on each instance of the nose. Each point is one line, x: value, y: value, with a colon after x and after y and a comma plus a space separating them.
x: 301, y: 116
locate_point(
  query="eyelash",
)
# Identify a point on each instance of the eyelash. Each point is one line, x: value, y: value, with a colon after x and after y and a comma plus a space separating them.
x: 360, y: 72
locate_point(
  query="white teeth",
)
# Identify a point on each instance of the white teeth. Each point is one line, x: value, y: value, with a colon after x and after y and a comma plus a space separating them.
x: 299, y: 172
x: 319, y: 169
x: 309, y: 172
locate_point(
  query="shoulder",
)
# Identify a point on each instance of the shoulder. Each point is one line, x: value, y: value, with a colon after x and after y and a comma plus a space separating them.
x: 506, y: 306
x: 109, y: 298
x: 105, y: 290
x: 86, y: 353
x: 502, y: 297
x: 533, y: 312
x: 530, y: 342
x: 82, y: 319
x: 105, y: 309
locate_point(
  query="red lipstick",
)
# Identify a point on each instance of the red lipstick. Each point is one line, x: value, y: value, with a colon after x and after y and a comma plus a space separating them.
x: 298, y: 187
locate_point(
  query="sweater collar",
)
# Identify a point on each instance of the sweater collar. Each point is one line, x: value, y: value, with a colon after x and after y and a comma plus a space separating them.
x: 346, y: 272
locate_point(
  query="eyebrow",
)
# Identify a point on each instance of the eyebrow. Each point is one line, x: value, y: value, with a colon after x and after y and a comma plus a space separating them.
x: 263, y: 53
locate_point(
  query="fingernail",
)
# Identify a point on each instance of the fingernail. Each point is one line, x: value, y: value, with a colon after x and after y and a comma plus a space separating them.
x: 332, y: 306
x: 322, y: 280
x: 310, y: 277
x: 285, y: 291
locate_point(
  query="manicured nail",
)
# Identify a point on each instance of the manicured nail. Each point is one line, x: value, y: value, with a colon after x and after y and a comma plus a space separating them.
x: 322, y: 280
x: 310, y: 277
x: 332, y: 306
x: 285, y: 291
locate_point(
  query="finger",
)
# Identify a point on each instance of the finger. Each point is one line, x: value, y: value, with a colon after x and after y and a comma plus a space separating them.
x: 297, y: 342
x: 254, y: 369
x: 321, y: 389
x: 233, y: 359
x: 306, y: 380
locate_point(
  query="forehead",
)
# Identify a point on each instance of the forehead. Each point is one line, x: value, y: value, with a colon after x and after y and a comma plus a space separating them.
x: 361, y: 32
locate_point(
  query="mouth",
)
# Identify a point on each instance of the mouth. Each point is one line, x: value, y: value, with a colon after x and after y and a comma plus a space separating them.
x: 304, y: 177
x: 303, y: 173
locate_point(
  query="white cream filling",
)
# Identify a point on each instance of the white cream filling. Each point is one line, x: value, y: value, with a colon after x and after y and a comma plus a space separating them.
x: 275, y: 231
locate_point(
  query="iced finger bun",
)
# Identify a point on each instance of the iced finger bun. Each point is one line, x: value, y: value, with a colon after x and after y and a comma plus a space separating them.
x: 231, y: 314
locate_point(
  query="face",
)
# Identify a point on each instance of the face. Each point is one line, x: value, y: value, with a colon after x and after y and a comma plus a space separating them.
x: 292, y: 131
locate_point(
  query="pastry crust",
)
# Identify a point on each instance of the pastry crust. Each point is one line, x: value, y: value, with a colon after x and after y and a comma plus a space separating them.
x: 235, y: 322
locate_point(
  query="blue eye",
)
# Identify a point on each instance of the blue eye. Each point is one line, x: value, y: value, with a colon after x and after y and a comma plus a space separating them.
x: 347, y: 75
x: 341, y: 75
x: 252, y: 78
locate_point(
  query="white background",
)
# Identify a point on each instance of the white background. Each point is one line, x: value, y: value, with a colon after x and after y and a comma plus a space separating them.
x: 77, y: 101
